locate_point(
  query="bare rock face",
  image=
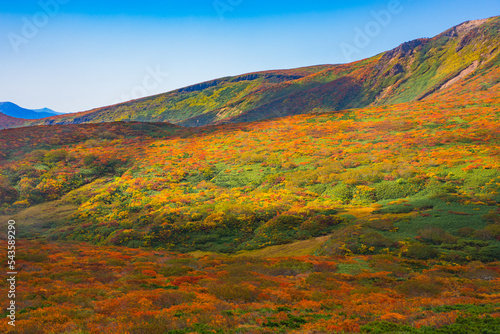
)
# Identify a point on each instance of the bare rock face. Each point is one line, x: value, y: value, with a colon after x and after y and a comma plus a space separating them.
x: 468, y: 33
x: 462, y: 29
x: 465, y: 31
x: 466, y: 40
x: 466, y: 27
x: 396, y: 70
x: 404, y: 50
x: 461, y: 75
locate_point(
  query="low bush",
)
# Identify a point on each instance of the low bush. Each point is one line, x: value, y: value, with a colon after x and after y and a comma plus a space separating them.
x: 490, y: 232
x: 233, y: 293
x: 465, y: 232
x: 421, y: 251
x: 168, y: 298
x: 436, y: 236
x: 393, y: 190
x: 381, y: 224
x: 55, y: 156
x: 375, y: 239
x: 342, y: 192
x: 421, y: 287
x: 395, y: 208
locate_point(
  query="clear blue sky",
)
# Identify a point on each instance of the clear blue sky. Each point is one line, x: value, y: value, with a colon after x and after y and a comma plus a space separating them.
x: 82, y: 54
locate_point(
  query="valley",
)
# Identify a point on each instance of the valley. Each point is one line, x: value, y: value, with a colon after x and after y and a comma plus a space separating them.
x: 361, y: 197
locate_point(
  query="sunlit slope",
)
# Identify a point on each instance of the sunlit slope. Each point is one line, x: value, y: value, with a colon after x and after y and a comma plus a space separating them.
x: 188, y: 102
x: 370, y: 176
x: 9, y: 122
x: 411, y: 72
x: 82, y: 288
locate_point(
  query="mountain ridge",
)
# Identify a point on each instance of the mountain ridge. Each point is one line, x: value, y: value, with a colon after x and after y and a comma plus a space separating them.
x: 413, y: 71
x: 13, y: 110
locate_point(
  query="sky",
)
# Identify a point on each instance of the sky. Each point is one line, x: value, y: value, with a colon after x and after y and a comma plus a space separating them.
x: 75, y: 55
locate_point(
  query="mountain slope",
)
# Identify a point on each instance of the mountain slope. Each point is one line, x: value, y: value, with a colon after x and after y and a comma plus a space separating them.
x: 13, y: 110
x: 413, y: 71
x: 430, y: 165
x: 9, y: 122
x: 187, y: 102
x: 378, y: 219
x: 47, y: 111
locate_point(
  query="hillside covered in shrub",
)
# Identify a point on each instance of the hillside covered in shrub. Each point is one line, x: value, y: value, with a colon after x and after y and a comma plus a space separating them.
x: 371, y: 208
x: 77, y: 288
x: 420, y: 178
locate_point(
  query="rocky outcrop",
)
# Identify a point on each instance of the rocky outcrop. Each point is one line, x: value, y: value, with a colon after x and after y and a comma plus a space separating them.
x: 404, y: 50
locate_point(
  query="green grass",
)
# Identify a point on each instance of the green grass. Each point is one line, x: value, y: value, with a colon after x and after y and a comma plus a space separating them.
x: 354, y: 268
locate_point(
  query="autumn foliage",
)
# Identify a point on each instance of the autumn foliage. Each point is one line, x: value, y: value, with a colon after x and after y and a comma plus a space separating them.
x: 247, y: 186
x: 397, y: 204
x: 79, y: 288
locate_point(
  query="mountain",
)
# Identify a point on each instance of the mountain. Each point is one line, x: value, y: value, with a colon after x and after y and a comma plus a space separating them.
x: 9, y: 122
x: 13, y: 110
x: 417, y: 180
x: 376, y: 219
x: 47, y: 111
x: 414, y: 71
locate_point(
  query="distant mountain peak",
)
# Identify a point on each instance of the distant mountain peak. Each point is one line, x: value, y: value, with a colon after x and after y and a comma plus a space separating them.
x: 47, y: 110
x: 13, y: 110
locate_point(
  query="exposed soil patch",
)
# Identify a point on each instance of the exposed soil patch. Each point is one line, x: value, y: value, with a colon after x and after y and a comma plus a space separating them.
x: 462, y: 75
